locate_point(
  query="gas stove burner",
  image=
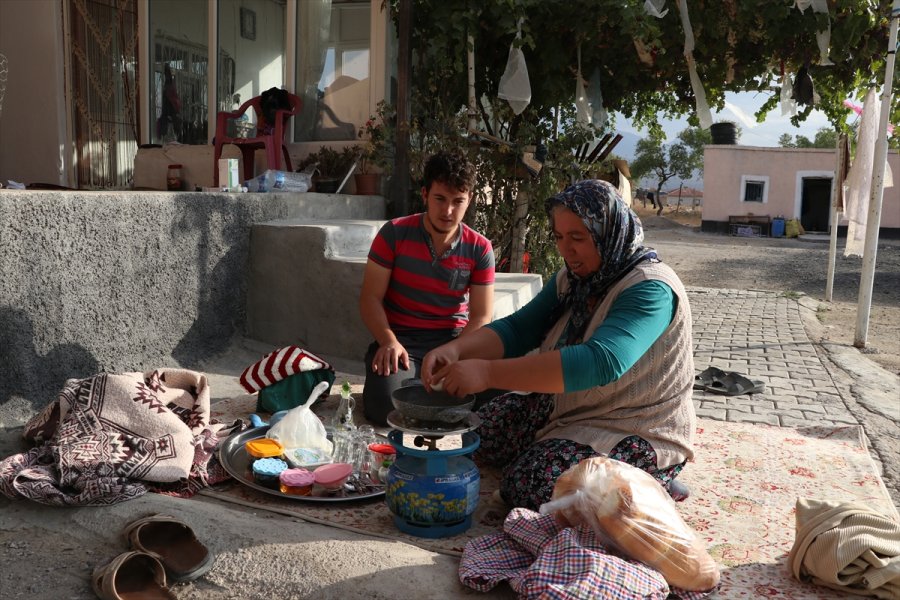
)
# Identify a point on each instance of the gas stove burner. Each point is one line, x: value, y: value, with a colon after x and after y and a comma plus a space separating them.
x: 431, y: 429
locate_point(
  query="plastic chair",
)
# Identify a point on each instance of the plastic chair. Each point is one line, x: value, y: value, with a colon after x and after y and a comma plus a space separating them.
x: 269, y: 136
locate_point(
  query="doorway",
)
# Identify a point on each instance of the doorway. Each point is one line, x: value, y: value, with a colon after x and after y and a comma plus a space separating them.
x: 814, y: 203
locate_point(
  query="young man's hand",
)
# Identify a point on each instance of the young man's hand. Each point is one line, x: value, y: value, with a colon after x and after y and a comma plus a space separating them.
x: 390, y: 358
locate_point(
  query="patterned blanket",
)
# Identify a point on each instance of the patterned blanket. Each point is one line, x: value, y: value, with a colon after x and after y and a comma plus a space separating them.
x: 113, y: 437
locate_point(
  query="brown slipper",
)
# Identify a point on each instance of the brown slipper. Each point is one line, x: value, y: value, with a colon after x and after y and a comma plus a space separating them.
x: 172, y: 542
x: 131, y: 575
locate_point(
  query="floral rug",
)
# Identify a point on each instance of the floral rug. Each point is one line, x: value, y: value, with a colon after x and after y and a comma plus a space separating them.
x: 744, y: 484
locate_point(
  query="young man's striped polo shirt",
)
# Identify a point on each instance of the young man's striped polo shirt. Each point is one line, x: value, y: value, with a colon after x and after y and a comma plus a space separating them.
x: 428, y: 292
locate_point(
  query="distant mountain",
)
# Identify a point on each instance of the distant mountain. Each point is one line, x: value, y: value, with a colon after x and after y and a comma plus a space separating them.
x: 627, y: 148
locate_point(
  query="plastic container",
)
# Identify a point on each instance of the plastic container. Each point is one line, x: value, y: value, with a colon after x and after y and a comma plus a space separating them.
x: 175, y: 178
x: 383, y: 453
x: 778, y: 227
x: 333, y: 476
x: 266, y: 471
x: 296, y: 482
x: 264, y: 448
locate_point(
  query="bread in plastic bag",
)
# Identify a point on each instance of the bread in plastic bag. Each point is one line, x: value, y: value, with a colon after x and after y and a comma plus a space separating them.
x: 301, y: 428
x: 632, y: 512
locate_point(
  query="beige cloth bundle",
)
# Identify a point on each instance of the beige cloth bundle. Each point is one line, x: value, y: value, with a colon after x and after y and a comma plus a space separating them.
x: 847, y: 547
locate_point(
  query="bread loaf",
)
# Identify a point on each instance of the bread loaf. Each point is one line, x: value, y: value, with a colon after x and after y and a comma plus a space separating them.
x: 632, y: 511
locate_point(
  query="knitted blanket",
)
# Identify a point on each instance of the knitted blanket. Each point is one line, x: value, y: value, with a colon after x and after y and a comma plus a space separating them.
x: 113, y: 437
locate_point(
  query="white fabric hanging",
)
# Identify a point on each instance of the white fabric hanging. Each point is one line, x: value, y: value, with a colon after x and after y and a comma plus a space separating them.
x: 583, y: 113
x: 857, y: 186
x: 654, y: 8
x: 788, y: 104
x: 703, y: 114
x: 515, y: 87
x: 599, y: 114
x: 823, y: 38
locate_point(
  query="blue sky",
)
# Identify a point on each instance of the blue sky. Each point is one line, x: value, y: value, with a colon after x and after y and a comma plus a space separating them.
x: 740, y: 108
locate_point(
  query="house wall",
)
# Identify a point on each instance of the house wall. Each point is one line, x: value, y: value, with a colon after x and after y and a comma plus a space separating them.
x: 725, y: 165
x: 33, y: 111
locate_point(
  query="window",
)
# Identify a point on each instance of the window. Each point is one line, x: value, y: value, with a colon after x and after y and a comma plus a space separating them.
x: 754, y: 188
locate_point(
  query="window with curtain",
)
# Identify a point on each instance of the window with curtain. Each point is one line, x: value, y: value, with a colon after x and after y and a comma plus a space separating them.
x: 333, y: 68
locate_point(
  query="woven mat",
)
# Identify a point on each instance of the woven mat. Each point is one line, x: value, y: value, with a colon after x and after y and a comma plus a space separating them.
x: 744, y: 485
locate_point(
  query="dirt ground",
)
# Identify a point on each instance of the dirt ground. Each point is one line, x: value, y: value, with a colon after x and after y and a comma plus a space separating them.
x: 789, y: 266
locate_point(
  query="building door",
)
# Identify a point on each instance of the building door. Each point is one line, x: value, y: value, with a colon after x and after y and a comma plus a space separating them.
x: 815, y: 202
x: 105, y: 110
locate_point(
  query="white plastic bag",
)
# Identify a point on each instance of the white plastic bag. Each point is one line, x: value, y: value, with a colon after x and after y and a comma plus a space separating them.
x: 515, y: 87
x: 301, y: 428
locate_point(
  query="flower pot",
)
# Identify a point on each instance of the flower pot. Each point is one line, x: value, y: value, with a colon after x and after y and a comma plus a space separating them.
x: 367, y: 184
x: 327, y: 185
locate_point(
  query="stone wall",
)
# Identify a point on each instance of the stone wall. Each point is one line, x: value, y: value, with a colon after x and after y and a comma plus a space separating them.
x: 119, y: 281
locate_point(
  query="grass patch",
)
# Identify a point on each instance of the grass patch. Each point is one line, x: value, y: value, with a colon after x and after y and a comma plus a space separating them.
x: 791, y: 295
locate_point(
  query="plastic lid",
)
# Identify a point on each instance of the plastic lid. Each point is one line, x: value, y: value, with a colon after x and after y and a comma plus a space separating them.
x: 296, y: 477
x: 269, y: 466
x: 333, y: 474
x: 382, y: 448
x: 264, y: 448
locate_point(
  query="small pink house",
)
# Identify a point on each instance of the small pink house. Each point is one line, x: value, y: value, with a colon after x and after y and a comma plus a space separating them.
x: 748, y: 181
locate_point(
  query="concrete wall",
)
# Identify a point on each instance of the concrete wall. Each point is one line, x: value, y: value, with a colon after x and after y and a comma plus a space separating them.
x: 785, y: 167
x: 107, y: 281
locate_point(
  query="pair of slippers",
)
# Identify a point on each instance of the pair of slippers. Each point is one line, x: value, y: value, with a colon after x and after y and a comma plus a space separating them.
x: 161, y: 546
x: 727, y: 383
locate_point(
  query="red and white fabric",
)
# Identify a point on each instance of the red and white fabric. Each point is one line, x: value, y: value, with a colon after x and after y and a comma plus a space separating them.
x: 279, y: 364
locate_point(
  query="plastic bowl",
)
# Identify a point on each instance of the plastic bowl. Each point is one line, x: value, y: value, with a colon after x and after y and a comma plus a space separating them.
x: 332, y: 476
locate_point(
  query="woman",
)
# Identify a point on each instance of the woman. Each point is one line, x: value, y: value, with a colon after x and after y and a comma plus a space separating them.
x: 614, y: 371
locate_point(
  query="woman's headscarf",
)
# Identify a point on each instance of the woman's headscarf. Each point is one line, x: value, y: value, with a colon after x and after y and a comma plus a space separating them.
x: 618, y: 237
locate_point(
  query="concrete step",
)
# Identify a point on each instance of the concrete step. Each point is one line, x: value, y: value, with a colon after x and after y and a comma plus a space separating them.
x: 304, y: 281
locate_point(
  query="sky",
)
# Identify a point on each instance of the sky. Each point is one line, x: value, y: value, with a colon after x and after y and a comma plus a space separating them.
x: 740, y: 108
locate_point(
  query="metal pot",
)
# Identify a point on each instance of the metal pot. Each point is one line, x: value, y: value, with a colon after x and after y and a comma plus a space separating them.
x: 413, y: 401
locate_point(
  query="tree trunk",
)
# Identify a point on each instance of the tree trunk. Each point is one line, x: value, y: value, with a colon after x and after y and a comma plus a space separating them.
x: 517, y: 247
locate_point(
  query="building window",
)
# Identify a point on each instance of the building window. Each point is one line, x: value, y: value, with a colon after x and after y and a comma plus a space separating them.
x: 754, y: 188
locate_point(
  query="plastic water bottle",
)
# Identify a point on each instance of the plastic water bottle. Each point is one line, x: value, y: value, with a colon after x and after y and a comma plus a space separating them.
x: 279, y: 181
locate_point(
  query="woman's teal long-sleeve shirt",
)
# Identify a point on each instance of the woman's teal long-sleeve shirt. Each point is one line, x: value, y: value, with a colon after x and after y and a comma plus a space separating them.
x: 635, y: 321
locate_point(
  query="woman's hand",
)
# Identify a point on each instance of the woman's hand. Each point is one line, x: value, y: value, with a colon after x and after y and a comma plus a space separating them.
x: 389, y: 358
x: 438, y: 358
x: 465, y: 377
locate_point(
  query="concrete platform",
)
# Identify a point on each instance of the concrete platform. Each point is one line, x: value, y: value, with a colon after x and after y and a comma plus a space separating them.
x: 301, y: 269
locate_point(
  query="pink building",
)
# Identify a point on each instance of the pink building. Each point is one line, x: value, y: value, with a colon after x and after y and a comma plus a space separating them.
x: 741, y: 181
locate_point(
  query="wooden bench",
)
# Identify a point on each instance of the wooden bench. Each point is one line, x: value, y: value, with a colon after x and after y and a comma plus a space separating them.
x: 750, y: 225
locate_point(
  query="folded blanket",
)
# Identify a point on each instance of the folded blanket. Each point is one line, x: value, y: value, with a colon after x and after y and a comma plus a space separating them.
x: 847, y: 547
x: 111, y: 437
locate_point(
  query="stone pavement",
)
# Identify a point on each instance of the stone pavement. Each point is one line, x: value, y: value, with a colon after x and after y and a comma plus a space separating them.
x: 766, y: 336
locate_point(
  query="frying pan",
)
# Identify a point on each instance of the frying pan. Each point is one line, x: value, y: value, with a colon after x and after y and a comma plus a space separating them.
x: 413, y: 401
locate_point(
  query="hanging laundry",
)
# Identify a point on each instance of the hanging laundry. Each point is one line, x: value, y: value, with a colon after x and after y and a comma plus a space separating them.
x: 703, y: 114
x: 788, y: 105
x: 859, y: 180
x: 654, y: 8
x: 583, y: 113
x: 515, y: 86
x: 823, y: 38
x: 599, y: 114
x: 804, y: 91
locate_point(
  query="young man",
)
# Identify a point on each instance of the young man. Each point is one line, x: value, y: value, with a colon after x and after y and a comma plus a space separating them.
x: 429, y: 278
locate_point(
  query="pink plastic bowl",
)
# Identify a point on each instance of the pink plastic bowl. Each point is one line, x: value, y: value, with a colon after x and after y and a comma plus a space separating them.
x: 333, y: 476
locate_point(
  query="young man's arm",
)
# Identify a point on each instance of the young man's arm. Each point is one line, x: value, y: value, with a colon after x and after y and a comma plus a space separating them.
x: 481, y: 307
x: 391, y: 354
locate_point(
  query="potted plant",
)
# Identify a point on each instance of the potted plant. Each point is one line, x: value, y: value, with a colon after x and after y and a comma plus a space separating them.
x: 331, y: 166
x: 377, y: 150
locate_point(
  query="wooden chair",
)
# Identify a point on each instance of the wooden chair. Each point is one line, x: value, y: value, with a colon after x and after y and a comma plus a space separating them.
x: 269, y: 136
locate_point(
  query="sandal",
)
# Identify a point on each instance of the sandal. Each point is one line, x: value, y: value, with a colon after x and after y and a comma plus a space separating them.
x: 707, y: 377
x: 173, y: 543
x: 735, y: 384
x: 131, y: 575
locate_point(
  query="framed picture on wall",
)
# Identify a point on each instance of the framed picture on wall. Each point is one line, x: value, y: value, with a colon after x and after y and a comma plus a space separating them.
x: 248, y: 24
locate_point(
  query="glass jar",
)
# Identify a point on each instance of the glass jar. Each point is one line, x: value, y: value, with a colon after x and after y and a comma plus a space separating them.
x: 174, y: 178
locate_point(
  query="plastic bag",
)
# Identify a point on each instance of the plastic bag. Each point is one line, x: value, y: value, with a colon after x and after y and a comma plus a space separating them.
x: 632, y: 512
x: 515, y: 87
x: 301, y: 428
